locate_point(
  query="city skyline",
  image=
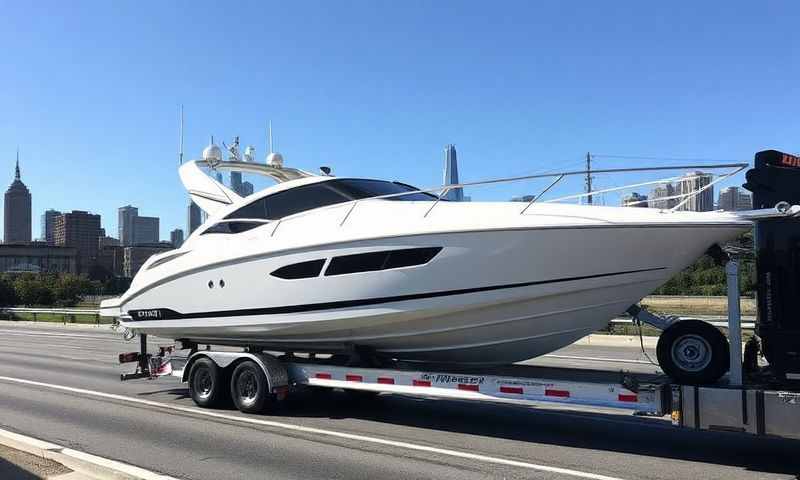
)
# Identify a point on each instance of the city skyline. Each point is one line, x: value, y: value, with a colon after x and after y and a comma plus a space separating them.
x: 517, y: 100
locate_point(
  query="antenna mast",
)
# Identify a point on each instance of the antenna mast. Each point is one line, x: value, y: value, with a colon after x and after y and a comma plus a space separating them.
x: 180, y: 143
x: 589, y: 177
x: 270, y: 137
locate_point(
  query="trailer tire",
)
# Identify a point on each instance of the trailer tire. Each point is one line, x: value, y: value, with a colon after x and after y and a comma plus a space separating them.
x: 693, y: 352
x: 206, y: 383
x: 250, y: 388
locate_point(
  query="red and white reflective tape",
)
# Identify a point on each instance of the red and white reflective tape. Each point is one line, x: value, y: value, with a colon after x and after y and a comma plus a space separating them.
x: 470, y: 386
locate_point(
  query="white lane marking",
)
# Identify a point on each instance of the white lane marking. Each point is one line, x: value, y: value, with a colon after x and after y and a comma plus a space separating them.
x: 318, y: 431
x: 54, y: 451
x: 597, y: 359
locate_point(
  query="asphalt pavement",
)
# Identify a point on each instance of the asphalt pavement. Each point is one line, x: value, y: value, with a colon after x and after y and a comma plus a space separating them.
x: 61, y: 384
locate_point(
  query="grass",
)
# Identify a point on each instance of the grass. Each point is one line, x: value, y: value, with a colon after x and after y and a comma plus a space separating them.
x: 680, y: 305
x: 58, y: 318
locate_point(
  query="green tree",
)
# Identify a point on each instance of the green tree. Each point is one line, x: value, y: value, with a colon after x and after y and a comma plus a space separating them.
x: 8, y: 296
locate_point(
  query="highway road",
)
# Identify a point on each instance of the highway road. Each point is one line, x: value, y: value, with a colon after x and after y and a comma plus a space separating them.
x: 61, y: 384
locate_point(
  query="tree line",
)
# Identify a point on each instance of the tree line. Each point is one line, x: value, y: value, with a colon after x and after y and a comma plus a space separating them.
x: 54, y: 290
x: 707, y: 277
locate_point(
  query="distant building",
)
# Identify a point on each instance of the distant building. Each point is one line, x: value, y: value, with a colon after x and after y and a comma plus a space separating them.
x: 48, y: 224
x: 451, y: 174
x: 236, y: 182
x: 80, y: 230
x: 693, y: 182
x: 145, y: 230
x: 734, y: 199
x: 136, y: 230
x: 17, y: 211
x: 37, y: 257
x: 194, y: 217
x: 524, y: 198
x: 247, y: 189
x: 111, y: 259
x: 134, y: 257
x: 176, y: 238
x: 125, y: 224
x: 106, y: 241
x: 635, y: 200
x: 660, y: 197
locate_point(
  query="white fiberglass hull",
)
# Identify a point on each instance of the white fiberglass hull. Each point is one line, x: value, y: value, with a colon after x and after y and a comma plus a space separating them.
x: 491, y: 296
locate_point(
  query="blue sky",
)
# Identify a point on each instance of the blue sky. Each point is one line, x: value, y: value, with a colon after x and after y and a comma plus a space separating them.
x: 90, y: 90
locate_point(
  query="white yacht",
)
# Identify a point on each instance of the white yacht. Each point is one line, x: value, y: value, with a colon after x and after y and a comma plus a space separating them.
x: 317, y: 263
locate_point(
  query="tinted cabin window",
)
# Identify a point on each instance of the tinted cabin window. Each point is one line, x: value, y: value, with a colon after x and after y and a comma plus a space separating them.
x: 373, y: 261
x: 331, y: 192
x: 300, y: 199
x: 300, y: 270
x: 289, y: 202
x: 362, y: 188
x: 232, y: 227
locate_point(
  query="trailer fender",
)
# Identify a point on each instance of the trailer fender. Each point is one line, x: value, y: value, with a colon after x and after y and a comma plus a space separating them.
x: 274, y: 370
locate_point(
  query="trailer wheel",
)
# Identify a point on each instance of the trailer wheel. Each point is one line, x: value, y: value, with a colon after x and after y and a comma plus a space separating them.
x: 249, y: 388
x: 206, y: 383
x: 693, y: 352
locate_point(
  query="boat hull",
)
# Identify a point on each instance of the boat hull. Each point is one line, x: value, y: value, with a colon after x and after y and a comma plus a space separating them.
x: 495, y: 296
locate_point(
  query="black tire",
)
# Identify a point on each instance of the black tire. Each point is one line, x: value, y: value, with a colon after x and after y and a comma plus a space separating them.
x: 693, y: 352
x: 250, y: 389
x: 206, y: 383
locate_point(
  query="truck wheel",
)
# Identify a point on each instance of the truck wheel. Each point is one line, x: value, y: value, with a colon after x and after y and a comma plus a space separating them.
x: 249, y: 388
x: 693, y: 352
x: 206, y: 383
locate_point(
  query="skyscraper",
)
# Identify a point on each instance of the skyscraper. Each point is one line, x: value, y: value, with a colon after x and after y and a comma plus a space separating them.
x: 145, y: 230
x: 659, y: 197
x: 125, y: 224
x: 451, y: 174
x: 176, y: 237
x: 635, y: 200
x: 247, y: 189
x: 48, y: 223
x: 194, y: 217
x: 17, y: 214
x: 136, y: 230
x: 82, y: 231
x: 733, y: 199
x: 693, y: 182
x: 236, y: 182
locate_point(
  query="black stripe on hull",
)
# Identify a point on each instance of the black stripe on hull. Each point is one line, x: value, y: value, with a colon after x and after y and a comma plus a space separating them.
x: 167, y: 314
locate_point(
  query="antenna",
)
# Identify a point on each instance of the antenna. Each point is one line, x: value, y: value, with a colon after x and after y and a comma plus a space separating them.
x: 270, y: 137
x: 180, y: 141
x: 589, y: 177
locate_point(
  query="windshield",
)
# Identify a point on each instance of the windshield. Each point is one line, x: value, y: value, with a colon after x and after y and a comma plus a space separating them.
x: 307, y: 197
x: 357, y: 189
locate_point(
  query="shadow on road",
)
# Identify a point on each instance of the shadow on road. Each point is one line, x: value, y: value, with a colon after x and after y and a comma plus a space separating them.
x: 587, y: 430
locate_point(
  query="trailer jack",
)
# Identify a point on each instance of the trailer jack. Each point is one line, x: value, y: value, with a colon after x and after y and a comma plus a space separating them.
x: 148, y: 366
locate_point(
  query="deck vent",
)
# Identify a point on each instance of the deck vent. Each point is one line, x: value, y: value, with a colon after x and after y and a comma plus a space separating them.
x: 385, y: 260
x: 300, y: 270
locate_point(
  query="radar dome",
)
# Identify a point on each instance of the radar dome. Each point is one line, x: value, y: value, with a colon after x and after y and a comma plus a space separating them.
x: 212, y: 154
x: 275, y: 160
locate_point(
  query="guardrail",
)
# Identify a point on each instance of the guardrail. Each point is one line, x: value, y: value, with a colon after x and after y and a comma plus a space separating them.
x: 716, y: 323
x: 68, y: 314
